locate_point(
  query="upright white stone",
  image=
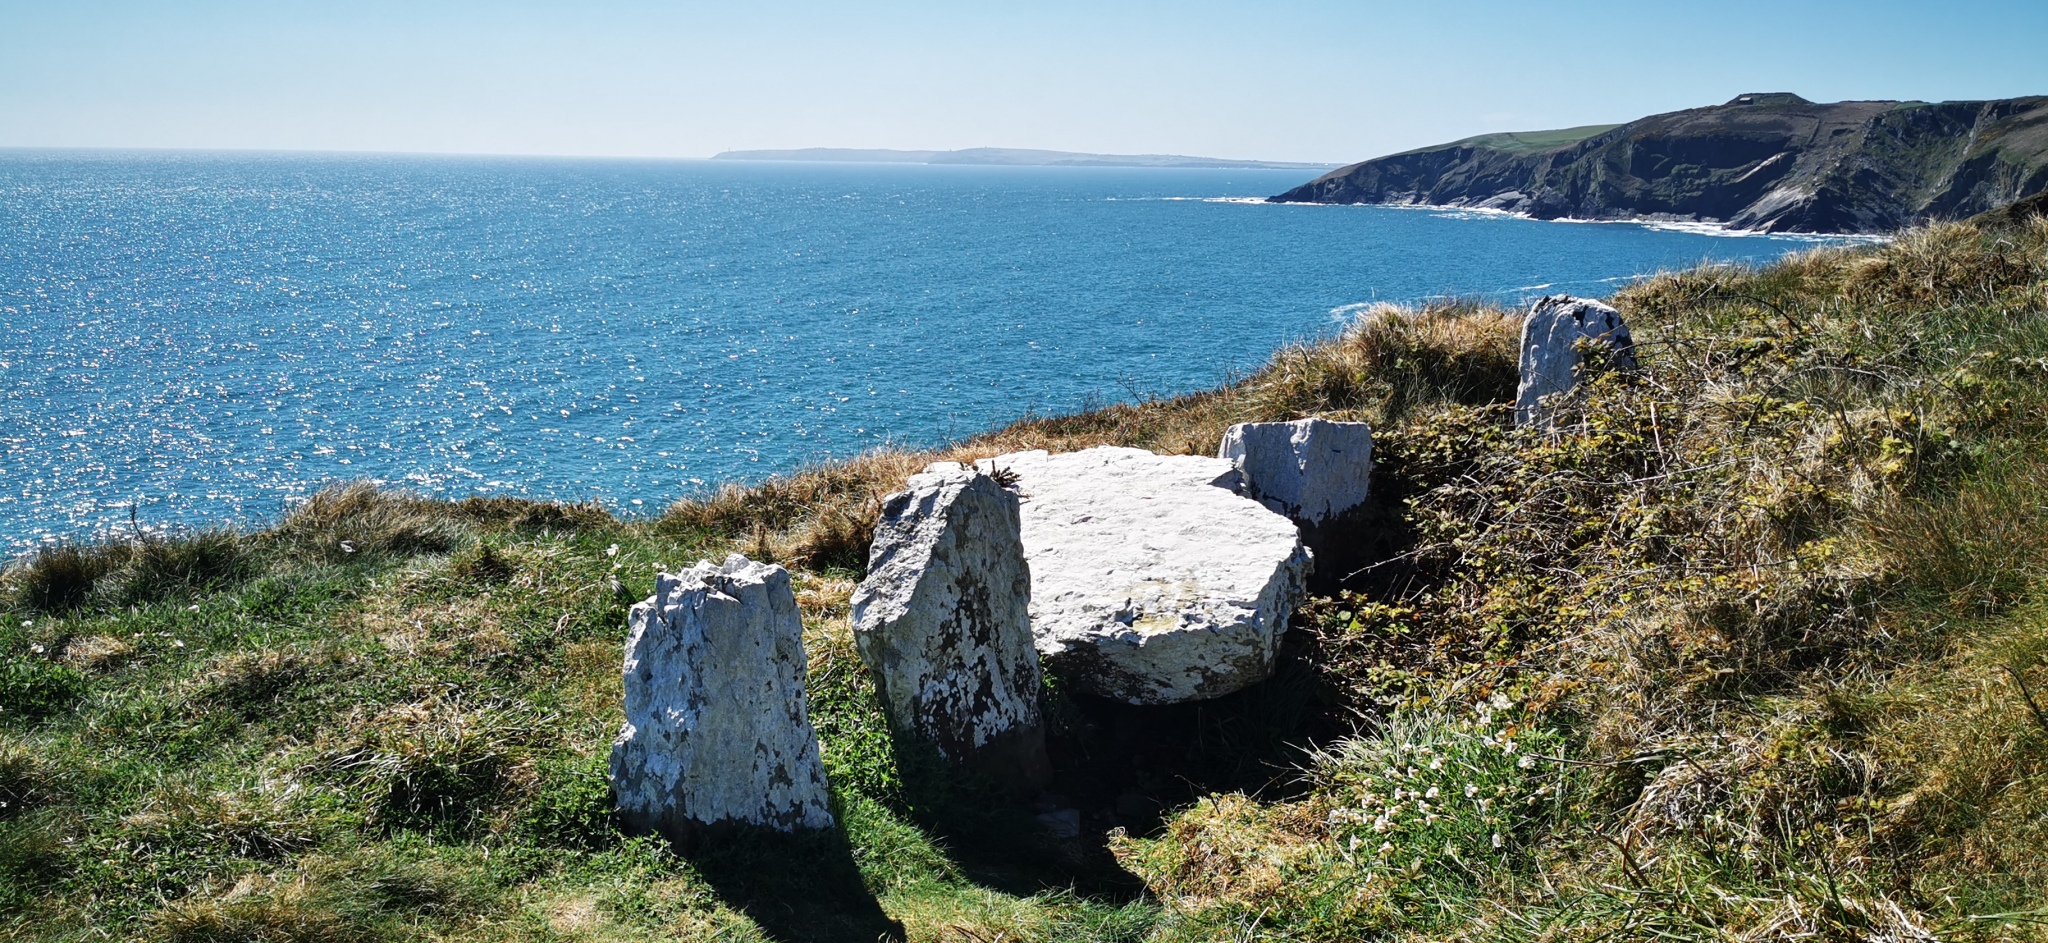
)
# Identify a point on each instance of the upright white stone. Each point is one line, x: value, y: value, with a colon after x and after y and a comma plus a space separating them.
x: 1550, y: 350
x: 1311, y: 470
x: 716, y: 726
x: 943, y: 620
x: 1152, y: 580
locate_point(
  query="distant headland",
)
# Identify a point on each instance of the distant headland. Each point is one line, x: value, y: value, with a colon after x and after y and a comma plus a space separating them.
x: 1769, y: 162
x: 1011, y: 157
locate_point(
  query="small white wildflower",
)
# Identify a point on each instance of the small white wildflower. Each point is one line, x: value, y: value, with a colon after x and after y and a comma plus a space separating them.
x: 1431, y: 794
x: 192, y: 608
x: 1429, y: 819
x: 1471, y: 790
x: 1500, y: 701
x: 1526, y: 761
x: 177, y: 643
x: 1496, y: 839
x: 348, y: 546
x: 1507, y: 746
x: 1386, y: 847
x: 38, y: 649
x: 612, y: 551
x: 1436, y: 764
x: 28, y: 623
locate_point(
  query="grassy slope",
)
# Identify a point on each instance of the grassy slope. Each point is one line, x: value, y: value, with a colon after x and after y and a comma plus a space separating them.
x: 1751, y: 646
x: 1524, y: 142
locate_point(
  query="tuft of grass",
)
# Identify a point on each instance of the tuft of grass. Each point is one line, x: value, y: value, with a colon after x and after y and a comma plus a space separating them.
x: 331, y: 900
x: 436, y: 762
x: 527, y: 514
x: 62, y: 576
x: 27, y: 779
x: 251, y: 682
x: 482, y: 566
x: 360, y: 522
x: 159, y: 568
x: 261, y: 821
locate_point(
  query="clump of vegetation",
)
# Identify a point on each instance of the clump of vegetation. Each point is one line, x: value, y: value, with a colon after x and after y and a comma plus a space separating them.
x: 1753, y: 644
x: 433, y: 761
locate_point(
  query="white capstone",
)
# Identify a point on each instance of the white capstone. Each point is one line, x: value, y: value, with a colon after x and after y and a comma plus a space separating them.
x: 716, y: 726
x: 1550, y: 350
x: 943, y: 620
x: 1152, y: 580
x: 1311, y: 470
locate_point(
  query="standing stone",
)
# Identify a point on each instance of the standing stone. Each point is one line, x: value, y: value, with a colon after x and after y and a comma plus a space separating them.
x: 1550, y: 350
x: 716, y: 727
x: 1311, y: 470
x: 1152, y: 580
x: 943, y: 620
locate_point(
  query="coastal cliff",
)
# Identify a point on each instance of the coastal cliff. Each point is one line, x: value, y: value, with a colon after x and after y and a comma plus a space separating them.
x: 1765, y: 162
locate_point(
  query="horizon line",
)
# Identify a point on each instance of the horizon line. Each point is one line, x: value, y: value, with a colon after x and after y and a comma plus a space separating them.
x: 371, y: 152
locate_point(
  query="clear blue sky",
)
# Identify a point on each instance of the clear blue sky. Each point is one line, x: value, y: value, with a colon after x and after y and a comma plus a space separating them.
x: 1278, y: 79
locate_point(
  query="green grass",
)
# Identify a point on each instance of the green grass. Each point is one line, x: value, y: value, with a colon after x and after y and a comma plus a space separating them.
x: 1530, y: 142
x: 1754, y: 644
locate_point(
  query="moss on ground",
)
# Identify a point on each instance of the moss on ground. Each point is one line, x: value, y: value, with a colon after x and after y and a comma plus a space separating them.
x: 1752, y: 645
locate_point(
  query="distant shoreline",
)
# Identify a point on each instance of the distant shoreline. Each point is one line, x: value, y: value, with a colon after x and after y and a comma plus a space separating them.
x: 1010, y: 157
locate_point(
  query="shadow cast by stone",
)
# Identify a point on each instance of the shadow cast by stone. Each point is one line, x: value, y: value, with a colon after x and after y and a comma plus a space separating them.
x: 798, y: 887
x: 998, y: 836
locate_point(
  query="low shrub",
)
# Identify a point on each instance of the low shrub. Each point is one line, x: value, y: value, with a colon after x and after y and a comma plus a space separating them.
x: 1404, y: 827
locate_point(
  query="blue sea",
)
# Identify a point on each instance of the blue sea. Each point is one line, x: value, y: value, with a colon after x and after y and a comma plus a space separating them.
x: 190, y: 338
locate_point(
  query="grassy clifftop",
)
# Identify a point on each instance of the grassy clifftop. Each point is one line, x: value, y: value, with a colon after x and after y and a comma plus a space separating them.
x: 1754, y: 645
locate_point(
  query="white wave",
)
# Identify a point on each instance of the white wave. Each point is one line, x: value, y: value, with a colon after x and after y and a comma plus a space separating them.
x: 1694, y: 227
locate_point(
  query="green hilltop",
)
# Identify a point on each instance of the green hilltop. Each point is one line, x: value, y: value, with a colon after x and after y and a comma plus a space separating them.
x: 1526, y: 142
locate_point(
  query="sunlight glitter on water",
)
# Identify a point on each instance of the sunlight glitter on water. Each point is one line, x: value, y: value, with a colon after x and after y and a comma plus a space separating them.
x: 190, y: 338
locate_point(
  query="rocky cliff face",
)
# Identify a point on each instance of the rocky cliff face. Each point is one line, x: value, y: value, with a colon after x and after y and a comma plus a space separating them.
x: 1769, y: 162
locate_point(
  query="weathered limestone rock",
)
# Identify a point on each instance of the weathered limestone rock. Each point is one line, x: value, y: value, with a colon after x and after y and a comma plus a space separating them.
x: 716, y: 726
x: 1550, y: 349
x: 1152, y: 580
x: 943, y: 620
x: 1310, y: 470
